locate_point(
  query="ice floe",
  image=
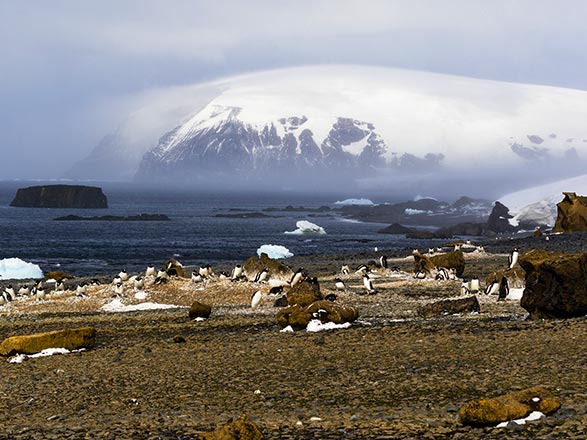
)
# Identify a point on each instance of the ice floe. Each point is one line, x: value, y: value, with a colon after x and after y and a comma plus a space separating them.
x: 305, y: 227
x: 17, y: 269
x: 274, y: 251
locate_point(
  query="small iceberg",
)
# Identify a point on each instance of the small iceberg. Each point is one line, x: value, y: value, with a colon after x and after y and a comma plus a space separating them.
x: 274, y: 251
x: 17, y: 269
x: 305, y: 228
x: 364, y: 202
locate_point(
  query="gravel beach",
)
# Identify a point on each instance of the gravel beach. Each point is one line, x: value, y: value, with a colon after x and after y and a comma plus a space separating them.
x: 156, y: 374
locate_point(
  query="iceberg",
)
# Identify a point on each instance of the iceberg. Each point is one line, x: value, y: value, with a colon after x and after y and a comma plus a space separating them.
x: 274, y: 251
x: 316, y: 326
x: 17, y: 269
x: 365, y: 202
x: 306, y: 227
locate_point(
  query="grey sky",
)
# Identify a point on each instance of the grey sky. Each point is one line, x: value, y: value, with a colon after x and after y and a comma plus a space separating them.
x: 69, y: 69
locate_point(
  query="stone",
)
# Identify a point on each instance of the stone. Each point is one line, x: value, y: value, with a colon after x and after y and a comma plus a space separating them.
x: 277, y: 270
x: 199, y: 310
x: 556, y: 284
x: 242, y: 429
x: 58, y: 276
x: 450, y: 260
x: 490, y: 412
x: 70, y: 339
x: 173, y: 268
x: 304, y: 294
x: 498, y: 220
x: 60, y: 196
x: 422, y: 263
x: 469, y: 304
x: 298, y: 316
x: 571, y: 214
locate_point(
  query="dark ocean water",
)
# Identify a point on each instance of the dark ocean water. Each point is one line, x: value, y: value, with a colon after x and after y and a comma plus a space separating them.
x: 194, y: 235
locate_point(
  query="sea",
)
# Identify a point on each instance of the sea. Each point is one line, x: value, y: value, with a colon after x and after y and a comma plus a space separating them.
x: 197, y: 233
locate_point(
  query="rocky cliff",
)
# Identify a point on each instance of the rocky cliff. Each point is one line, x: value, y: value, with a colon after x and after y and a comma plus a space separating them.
x: 60, y: 196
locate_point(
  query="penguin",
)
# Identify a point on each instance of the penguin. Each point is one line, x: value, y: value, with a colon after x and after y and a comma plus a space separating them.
x: 162, y: 274
x: 196, y: 278
x: 465, y: 290
x: 223, y: 276
x: 117, y: 280
x: 474, y: 285
x: 363, y: 269
x: 504, y: 289
x: 150, y: 271
x: 339, y: 284
x: 206, y: 271
x: 40, y: 293
x: 368, y: 285
x: 10, y: 292
x: 281, y: 301
x: 431, y: 251
x: 24, y: 290
x: 383, y: 261
x: 442, y: 274
x: 119, y: 289
x: 95, y: 282
x: 256, y: 299
x: 345, y: 270
x: 492, y: 288
x: 123, y: 275
x: 276, y: 290
x: 296, y: 277
x: 164, y: 279
x: 237, y: 272
x: 513, y: 258
x: 420, y: 274
x: 262, y: 276
x: 139, y: 283
x: 59, y: 287
x: 80, y: 290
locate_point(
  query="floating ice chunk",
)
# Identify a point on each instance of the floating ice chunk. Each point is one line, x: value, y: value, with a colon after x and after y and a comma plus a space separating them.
x: 306, y: 227
x: 365, y: 202
x: 16, y: 269
x: 116, y: 306
x: 316, y: 326
x: 274, y: 251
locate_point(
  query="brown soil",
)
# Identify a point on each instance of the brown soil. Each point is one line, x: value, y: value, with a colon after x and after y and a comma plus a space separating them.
x: 391, y: 375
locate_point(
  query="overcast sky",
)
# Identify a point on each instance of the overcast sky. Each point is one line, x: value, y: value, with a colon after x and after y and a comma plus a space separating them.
x: 70, y: 69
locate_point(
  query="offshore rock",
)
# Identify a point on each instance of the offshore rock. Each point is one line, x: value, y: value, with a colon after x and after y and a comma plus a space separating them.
x: 571, y: 214
x: 556, y: 284
x: 242, y: 429
x: 490, y: 412
x: 71, y: 339
x: 60, y: 196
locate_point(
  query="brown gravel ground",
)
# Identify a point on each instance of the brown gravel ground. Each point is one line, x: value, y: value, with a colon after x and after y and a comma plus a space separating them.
x: 392, y: 375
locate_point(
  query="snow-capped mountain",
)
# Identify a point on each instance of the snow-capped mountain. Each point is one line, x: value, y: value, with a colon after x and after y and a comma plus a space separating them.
x: 377, y: 124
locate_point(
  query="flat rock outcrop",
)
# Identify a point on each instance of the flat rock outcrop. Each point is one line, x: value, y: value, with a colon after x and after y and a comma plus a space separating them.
x: 469, y: 304
x: 241, y: 429
x: 60, y: 196
x: 571, y: 214
x: 277, y: 270
x: 490, y: 412
x: 327, y: 311
x: 71, y: 339
x: 556, y: 284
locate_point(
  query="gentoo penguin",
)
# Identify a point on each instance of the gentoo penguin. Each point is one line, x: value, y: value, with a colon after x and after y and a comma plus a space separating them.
x: 368, y: 285
x: 442, y: 274
x: 262, y: 276
x: 513, y: 258
x: 123, y: 275
x: 150, y: 271
x: 362, y: 269
x: 95, y: 282
x: 339, y: 284
x: 430, y: 251
x: 139, y: 282
x: 196, y: 278
x: 345, y: 270
x: 420, y: 274
x: 10, y: 292
x: 119, y: 289
x: 276, y: 290
x: 59, y: 287
x: 492, y: 288
x: 237, y: 272
x: 162, y: 274
x: 256, y: 299
x: 504, y: 289
x: 383, y: 261
x: 223, y: 276
x: 474, y: 286
x: 296, y: 277
x: 24, y: 290
x: 163, y: 279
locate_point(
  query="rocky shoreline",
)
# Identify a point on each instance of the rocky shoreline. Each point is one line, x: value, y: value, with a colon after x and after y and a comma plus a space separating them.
x: 158, y: 374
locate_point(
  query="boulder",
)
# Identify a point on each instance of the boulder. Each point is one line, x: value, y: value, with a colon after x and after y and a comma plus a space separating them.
x: 571, y: 214
x: 199, y: 310
x: 173, y: 268
x: 298, y: 316
x: 60, y: 196
x: 469, y: 304
x: 498, y: 219
x: 242, y: 429
x: 490, y: 412
x: 515, y: 277
x: 556, y: 284
x: 277, y: 270
x: 304, y: 294
x: 422, y: 263
x: 70, y: 339
x: 58, y: 276
x: 450, y: 260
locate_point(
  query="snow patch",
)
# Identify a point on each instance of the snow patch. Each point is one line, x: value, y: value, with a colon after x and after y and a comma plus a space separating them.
x: 20, y: 358
x: 117, y: 306
x: 316, y: 326
x: 274, y: 251
x: 17, y: 269
x: 365, y: 202
x: 141, y: 294
x: 534, y: 415
x: 306, y: 227
x: 515, y: 294
x: 410, y: 211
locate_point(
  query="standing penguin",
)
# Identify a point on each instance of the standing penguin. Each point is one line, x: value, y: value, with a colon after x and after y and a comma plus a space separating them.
x: 339, y: 284
x: 383, y: 261
x: 262, y: 276
x: 368, y: 285
x: 296, y: 277
x: 513, y: 258
x: 256, y: 299
x: 237, y: 272
x: 504, y: 289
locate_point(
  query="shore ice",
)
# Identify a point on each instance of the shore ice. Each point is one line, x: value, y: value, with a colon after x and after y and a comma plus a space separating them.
x: 274, y: 251
x: 17, y: 269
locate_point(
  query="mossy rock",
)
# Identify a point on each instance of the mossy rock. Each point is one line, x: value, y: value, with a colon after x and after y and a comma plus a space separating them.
x: 58, y: 276
x: 70, y: 339
x: 304, y: 294
x: 199, y: 310
x: 242, y: 429
x: 298, y: 316
x: 277, y: 270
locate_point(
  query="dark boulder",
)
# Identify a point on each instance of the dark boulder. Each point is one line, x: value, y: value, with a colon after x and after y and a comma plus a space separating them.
x: 469, y: 304
x: 556, y: 284
x: 450, y: 260
x: 498, y: 220
x: 298, y: 316
x: 60, y: 196
x: 571, y: 214
x: 304, y: 294
x: 199, y: 310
